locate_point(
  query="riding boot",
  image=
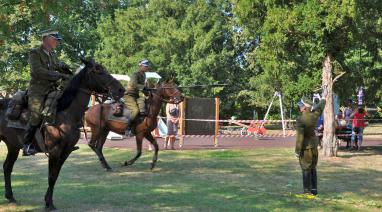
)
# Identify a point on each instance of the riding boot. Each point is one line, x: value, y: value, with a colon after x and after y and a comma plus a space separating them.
x: 314, y: 181
x: 306, y: 181
x: 129, y: 129
x: 28, y: 148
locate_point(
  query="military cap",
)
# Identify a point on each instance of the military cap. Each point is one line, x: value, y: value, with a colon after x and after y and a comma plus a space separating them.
x: 144, y: 62
x: 51, y: 33
x: 305, y: 102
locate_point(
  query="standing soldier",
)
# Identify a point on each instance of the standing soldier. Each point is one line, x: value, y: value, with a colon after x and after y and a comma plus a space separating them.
x: 45, y: 71
x: 135, y: 98
x: 307, y: 142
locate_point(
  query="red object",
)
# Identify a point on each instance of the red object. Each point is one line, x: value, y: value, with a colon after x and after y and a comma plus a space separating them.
x: 358, y: 120
x: 254, y: 128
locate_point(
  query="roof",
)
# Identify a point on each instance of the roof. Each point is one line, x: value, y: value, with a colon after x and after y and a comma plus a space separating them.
x: 149, y: 75
x: 121, y: 77
x: 153, y: 75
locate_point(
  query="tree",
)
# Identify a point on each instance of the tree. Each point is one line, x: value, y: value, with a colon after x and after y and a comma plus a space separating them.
x: 190, y: 41
x: 300, y: 41
x: 22, y: 21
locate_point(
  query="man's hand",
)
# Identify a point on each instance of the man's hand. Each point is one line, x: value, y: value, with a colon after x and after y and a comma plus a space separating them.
x: 63, y: 66
x: 297, y: 155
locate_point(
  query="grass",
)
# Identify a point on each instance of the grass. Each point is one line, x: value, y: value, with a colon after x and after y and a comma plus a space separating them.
x: 206, y: 180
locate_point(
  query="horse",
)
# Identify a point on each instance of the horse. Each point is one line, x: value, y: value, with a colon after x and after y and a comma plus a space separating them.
x: 97, y: 119
x: 61, y: 138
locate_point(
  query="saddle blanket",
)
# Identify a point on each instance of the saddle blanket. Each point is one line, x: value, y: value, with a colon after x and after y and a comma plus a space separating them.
x: 124, y: 118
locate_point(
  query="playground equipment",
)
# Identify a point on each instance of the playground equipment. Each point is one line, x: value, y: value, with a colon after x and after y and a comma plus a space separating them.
x: 275, y: 95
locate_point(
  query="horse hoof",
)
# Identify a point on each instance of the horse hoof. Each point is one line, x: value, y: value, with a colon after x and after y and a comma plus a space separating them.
x: 152, y: 166
x: 50, y: 208
x: 11, y: 200
x: 108, y: 169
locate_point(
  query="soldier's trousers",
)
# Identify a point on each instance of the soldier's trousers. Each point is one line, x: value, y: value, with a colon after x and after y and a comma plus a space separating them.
x: 309, y: 159
x: 135, y: 104
x: 131, y: 104
x: 35, y: 105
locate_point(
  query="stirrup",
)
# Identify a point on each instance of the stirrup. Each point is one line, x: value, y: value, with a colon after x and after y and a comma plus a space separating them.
x: 129, y: 133
x: 28, y: 151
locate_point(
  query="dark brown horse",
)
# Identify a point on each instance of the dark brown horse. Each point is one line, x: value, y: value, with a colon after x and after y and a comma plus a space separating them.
x: 97, y: 119
x: 60, y: 139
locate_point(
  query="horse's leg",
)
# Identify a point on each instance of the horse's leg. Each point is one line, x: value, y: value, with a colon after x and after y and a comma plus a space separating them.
x: 12, y: 155
x: 96, y: 143
x: 56, y: 160
x: 98, y: 149
x: 138, y: 139
x: 93, y: 138
x: 153, y: 141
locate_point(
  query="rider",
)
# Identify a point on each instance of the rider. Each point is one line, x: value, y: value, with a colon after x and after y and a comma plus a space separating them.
x: 135, y: 98
x: 45, y: 71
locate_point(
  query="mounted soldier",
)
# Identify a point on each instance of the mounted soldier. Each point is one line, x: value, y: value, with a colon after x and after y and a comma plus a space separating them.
x: 135, y: 97
x: 48, y: 74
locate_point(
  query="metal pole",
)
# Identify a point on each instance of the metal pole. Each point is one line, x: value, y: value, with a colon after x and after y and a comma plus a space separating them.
x: 282, y: 114
x: 216, y: 143
x: 269, y: 108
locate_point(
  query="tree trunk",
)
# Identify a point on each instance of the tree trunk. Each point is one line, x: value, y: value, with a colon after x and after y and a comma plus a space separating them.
x: 329, y: 140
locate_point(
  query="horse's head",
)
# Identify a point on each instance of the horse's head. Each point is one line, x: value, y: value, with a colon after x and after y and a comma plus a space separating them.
x: 170, y: 92
x: 100, y: 81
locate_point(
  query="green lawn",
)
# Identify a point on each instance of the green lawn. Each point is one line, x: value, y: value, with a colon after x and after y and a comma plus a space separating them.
x: 208, y: 180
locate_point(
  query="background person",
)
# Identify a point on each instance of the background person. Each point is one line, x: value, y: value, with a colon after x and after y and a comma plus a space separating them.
x: 172, y: 114
x: 359, y: 125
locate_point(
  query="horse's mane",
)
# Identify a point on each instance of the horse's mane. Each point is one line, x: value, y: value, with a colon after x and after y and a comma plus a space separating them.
x: 71, y: 90
x: 4, y: 103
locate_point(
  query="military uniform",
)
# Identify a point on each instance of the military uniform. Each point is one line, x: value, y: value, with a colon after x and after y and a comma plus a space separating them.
x: 135, y: 97
x: 45, y: 71
x: 306, y: 146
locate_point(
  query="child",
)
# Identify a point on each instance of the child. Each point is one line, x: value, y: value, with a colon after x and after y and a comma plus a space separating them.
x: 358, y: 126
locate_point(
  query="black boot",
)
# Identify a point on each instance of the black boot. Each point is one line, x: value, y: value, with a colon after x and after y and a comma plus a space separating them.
x: 129, y: 129
x: 306, y: 180
x: 28, y: 148
x: 314, y: 181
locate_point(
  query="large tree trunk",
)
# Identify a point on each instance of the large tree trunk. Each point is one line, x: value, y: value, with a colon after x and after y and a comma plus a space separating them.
x: 329, y: 140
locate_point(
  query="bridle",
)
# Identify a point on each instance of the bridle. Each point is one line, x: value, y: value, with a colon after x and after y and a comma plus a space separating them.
x: 169, y: 100
x: 100, y: 97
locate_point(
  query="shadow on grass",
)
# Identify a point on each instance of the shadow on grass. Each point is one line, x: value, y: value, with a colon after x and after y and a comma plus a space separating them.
x: 365, y: 151
x: 228, y: 180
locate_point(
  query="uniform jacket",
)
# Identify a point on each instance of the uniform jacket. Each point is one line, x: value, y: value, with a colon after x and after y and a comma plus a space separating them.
x: 136, y: 83
x: 44, y: 71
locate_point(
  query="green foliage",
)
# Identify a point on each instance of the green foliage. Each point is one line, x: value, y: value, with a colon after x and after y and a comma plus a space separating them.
x: 22, y: 21
x: 291, y: 38
x: 256, y: 46
x: 192, y: 42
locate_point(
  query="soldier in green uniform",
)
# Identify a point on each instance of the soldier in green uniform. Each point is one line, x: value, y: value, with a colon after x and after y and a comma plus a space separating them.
x: 135, y: 97
x: 307, y: 142
x: 45, y: 71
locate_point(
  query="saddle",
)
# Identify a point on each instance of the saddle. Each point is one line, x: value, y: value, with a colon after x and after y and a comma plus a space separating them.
x: 119, y: 112
x: 18, y: 107
x: 17, y: 115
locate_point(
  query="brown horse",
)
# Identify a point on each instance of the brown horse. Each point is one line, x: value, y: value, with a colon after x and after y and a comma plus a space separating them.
x: 97, y: 119
x: 60, y: 139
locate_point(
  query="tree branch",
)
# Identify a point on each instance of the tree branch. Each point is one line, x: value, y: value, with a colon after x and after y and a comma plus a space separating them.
x: 338, y: 76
